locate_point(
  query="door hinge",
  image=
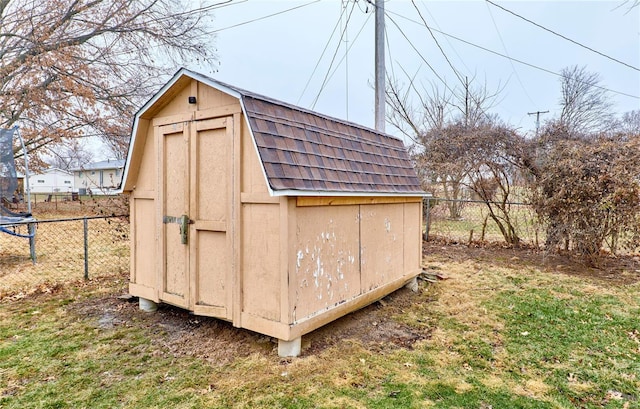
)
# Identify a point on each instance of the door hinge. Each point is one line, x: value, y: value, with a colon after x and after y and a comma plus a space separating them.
x: 184, y: 223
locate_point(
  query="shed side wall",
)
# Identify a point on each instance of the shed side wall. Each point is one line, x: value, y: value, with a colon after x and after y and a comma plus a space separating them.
x: 382, y: 230
x: 348, y: 250
x: 326, y: 258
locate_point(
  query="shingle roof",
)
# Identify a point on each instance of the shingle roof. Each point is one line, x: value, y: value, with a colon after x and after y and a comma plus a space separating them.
x: 303, y: 150
x: 306, y: 153
x: 104, y: 164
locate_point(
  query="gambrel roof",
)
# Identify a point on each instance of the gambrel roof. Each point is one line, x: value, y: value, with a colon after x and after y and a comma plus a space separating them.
x: 306, y: 153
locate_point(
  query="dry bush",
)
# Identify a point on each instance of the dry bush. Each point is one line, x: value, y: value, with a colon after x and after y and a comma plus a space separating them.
x: 588, y: 193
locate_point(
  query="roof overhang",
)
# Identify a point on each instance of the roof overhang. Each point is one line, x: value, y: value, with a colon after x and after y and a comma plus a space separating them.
x: 345, y: 194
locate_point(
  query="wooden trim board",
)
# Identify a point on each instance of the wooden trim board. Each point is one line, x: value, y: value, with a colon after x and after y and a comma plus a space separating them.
x: 302, y: 201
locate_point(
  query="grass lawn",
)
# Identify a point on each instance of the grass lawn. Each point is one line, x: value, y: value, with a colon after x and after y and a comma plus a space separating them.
x: 506, y: 329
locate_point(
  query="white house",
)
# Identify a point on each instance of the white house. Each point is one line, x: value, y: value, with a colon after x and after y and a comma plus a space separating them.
x: 51, y: 181
x: 101, y: 178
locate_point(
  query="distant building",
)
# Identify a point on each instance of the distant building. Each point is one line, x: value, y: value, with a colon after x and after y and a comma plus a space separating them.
x: 51, y: 181
x: 99, y: 178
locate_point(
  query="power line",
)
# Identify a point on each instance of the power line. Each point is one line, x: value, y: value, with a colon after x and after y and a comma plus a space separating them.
x: 203, y: 9
x: 437, y: 43
x: 424, y: 5
x: 335, y: 27
x: 562, y: 36
x: 265, y: 17
x: 326, y: 77
x: 349, y: 48
x: 511, y: 58
x: 420, y: 55
x: 465, y: 82
x: 504, y: 46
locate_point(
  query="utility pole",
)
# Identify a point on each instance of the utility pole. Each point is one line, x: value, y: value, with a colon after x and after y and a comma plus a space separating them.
x: 380, y: 68
x: 537, y: 114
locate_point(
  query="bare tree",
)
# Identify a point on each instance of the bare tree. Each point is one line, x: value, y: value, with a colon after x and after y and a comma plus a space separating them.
x: 498, y: 154
x: 72, y: 68
x: 630, y: 123
x: 442, y: 125
x: 586, y: 107
x: 67, y: 155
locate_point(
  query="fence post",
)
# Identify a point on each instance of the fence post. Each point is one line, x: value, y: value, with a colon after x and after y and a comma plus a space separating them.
x: 426, y: 232
x: 86, y: 248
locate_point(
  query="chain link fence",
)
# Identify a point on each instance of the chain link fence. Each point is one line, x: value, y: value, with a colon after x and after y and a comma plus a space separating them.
x: 466, y: 221
x: 66, y: 250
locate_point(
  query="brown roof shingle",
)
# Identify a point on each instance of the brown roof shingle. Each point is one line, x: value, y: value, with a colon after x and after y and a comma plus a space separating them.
x: 303, y: 150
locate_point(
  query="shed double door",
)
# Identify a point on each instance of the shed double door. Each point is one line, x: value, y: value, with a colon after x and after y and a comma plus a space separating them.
x: 195, y: 199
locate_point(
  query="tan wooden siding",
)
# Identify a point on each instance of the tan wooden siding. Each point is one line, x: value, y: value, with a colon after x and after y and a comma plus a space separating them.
x: 143, y: 240
x: 382, y: 246
x: 413, y: 237
x: 178, y: 104
x: 326, y: 252
x: 252, y: 179
x: 260, y: 249
x: 212, y: 98
x: 174, y: 202
x: 302, y: 201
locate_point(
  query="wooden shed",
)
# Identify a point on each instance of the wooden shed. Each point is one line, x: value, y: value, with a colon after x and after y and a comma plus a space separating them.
x: 265, y: 214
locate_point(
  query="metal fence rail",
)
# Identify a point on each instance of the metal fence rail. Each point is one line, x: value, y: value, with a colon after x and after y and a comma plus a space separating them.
x: 465, y: 221
x: 68, y: 249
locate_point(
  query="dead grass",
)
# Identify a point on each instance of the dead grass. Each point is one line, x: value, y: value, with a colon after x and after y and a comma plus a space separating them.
x: 60, y: 254
x: 504, y: 330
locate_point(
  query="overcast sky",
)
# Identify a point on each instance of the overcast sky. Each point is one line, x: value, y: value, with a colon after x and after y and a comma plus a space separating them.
x: 276, y: 56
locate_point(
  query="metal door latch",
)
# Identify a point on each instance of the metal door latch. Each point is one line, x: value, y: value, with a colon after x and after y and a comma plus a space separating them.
x: 184, y: 223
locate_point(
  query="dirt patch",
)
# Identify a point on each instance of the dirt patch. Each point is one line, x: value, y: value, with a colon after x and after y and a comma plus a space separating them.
x: 377, y: 327
x: 179, y: 333
x: 614, y: 270
x: 373, y: 326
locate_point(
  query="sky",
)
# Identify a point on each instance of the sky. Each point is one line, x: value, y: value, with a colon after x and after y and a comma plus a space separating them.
x: 282, y: 56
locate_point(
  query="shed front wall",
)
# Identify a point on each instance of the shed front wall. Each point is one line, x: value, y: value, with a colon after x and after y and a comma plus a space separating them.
x: 264, y: 225
x: 186, y: 166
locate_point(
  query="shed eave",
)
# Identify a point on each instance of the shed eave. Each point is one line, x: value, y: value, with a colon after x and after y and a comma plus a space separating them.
x: 125, y: 174
x: 346, y: 193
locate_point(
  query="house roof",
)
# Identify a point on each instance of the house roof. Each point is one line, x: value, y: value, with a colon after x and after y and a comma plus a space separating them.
x: 105, y: 164
x: 306, y: 153
x: 52, y: 170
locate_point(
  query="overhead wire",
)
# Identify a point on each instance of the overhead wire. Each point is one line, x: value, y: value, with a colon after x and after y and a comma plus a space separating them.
x: 455, y: 71
x: 464, y: 83
x: 504, y: 46
x: 348, y: 49
x: 510, y: 58
x: 419, y: 54
x: 203, y: 9
x: 265, y: 17
x: 563, y: 36
x: 424, y: 5
x: 335, y: 27
x: 326, y: 77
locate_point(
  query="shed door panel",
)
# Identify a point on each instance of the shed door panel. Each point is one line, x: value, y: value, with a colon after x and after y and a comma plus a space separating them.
x: 174, y: 191
x: 211, y: 246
